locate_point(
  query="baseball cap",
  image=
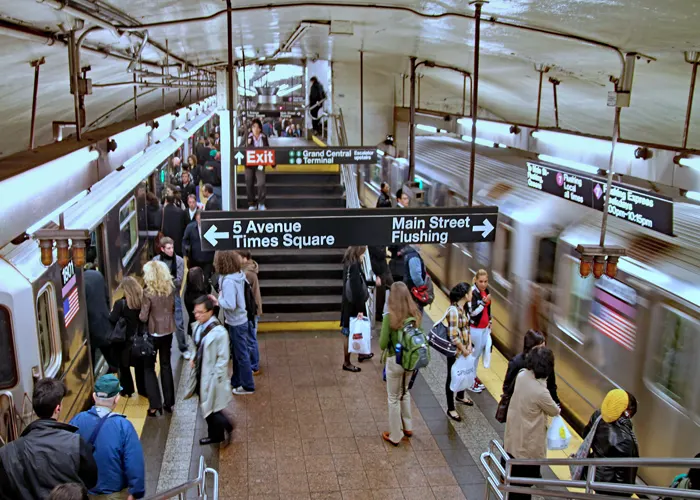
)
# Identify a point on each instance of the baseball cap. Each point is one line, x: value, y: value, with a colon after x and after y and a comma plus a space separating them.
x: 107, y: 386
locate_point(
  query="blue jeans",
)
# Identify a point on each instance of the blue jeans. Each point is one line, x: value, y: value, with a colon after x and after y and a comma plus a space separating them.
x: 253, y: 344
x: 240, y: 355
x: 180, y: 325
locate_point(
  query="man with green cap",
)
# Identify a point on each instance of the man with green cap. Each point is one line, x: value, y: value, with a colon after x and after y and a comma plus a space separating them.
x: 118, y: 452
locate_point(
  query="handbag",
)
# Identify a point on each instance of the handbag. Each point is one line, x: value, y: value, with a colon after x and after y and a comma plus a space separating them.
x: 583, y: 451
x: 143, y: 346
x: 502, y: 409
x: 118, y: 333
x: 439, y: 338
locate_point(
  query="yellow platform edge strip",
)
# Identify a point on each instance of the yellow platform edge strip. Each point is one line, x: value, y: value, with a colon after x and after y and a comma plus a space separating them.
x: 294, y: 326
x: 319, y: 142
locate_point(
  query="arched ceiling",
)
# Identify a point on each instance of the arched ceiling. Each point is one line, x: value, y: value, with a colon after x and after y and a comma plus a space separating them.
x: 388, y: 34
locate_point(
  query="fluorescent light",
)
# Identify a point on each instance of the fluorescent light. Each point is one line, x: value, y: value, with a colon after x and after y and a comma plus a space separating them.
x: 693, y: 163
x: 493, y: 127
x: 289, y: 90
x: 569, y: 163
x: 93, y: 155
x: 480, y: 141
x: 427, y: 128
x: 298, y: 33
x: 53, y: 216
x: 380, y: 152
x: 693, y: 195
x: 587, y: 144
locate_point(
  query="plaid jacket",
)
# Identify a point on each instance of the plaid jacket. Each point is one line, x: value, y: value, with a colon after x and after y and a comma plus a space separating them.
x: 458, y: 327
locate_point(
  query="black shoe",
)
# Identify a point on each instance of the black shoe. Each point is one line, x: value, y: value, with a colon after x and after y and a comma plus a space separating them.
x: 206, y: 441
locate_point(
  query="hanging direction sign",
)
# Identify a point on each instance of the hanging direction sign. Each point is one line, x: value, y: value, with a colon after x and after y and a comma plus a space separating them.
x: 252, y: 157
x: 639, y: 207
x: 346, y: 227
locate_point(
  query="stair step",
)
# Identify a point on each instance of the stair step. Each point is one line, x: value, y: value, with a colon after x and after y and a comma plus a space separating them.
x: 301, y: 287
x: 308, y: 271
x: 291, y: 299
x: 298, y: 189
x: 291, y: 256
x: 301, y: 304
x: 296, y: 178
x: 300, y: 282
x: 297, y: 201
x: 300, y: 317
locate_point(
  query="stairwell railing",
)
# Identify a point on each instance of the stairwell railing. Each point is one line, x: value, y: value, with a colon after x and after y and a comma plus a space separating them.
x: 199, y: 484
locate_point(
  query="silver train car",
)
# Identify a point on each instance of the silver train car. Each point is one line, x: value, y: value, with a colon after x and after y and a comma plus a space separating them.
x: 43, y: 315
x: 639, y: 332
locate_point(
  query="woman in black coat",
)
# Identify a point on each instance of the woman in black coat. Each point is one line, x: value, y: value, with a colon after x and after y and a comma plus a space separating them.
x: 357, y: 307
x: 197, y: 286
x: 128, y: 307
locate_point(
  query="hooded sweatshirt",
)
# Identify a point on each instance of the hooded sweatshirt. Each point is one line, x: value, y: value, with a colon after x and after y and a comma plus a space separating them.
x: 250, y: 269
x: 232, y: 298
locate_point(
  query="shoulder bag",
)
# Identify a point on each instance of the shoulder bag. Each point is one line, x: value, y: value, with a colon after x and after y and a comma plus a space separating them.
x: 439, y: 337
x: 143, y: 346
x: 583, y: 451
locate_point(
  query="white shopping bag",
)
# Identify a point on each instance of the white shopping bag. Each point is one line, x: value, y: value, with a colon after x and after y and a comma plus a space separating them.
x: 463, y: 373
x: 558, y: 435
x: 360, y: 341
x: 487, y: 351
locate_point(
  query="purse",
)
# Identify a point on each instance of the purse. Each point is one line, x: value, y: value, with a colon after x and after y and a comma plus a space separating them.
x: 118, y: 333
x: 143, y: 346
x: 502, y: 409
x: 439, y: 338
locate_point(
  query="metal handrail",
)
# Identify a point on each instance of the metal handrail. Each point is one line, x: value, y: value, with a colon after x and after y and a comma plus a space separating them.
x: 500, y: 481
x: 12, y: 431
x: 200, y: 482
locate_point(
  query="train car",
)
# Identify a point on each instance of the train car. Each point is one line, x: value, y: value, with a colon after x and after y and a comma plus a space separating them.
x: 43, y: 315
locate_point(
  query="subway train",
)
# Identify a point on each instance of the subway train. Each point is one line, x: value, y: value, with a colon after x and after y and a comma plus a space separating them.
x: 43, y: 310
x: 639, y: 331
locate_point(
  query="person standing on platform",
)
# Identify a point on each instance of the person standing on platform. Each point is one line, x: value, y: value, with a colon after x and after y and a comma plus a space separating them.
x: 414, y: 273
x: 481, y: 319
x: 250, y: 268
x: 210, y: 172
x: 457, y: 317
x: 187, y: 185
x: 316, y: 98
x: 176, y: 265
x: 228, y: 264
x: 197, y: 286
x: 97, y: 301
x: 174, y: 223
x: 380, y: 268
x: 158, y: 310
x: 256, y: 175
x: 192, y: 242
x: 211, y: 365
x: 384, y: 199
x: 267, y: 129
x: 190, y: 212
x: 121, y: 468
x: 202, y: 151
x: 213, y: 200
x: 401, y: 309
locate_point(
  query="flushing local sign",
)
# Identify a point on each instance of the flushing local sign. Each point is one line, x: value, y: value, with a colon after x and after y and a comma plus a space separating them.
x: 343, y: 228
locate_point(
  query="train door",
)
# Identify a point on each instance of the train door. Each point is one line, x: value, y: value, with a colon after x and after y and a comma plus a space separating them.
x: 540, y: 294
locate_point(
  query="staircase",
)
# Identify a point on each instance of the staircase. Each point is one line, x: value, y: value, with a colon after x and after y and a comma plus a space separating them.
x: 299, y: 286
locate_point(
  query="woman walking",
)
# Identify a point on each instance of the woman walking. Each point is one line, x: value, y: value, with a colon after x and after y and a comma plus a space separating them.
x: 458, y: 331
x: 480, y: 320
x: 354, y: 302
x: 128, y: 308
x: 158, y: 310
x: 402, y: 310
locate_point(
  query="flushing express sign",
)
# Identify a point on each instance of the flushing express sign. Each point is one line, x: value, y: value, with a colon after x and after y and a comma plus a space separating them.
x: 343, y: 228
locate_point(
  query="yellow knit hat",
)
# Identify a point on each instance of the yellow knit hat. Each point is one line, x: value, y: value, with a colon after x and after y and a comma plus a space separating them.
x: 614, y: 405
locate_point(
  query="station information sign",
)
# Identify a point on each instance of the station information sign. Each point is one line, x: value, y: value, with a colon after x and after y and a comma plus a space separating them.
x: 341, y: 228
x: 254, y: 157
x: 645, y: 209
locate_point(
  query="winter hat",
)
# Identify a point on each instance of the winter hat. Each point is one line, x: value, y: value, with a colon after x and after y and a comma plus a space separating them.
x: 614, y: 405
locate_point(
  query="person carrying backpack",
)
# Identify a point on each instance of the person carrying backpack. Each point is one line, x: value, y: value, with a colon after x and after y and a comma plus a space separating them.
x: 406, y: 350
x: 689, y: 481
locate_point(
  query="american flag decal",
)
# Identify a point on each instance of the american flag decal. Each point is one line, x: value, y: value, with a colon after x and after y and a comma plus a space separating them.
x: 613, y: 324
x: 71, y: 306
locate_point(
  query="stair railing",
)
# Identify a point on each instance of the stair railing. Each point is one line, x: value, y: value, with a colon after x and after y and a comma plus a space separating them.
x: 501, y: 481
x: 199, y: 483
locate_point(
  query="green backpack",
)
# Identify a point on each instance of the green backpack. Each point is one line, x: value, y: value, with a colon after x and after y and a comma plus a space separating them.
x: 415, y: 351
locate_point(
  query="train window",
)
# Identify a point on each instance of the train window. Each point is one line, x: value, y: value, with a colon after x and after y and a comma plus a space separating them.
x: 673, y: 361
x: 579, y: 298
x: 47, y: 324
x: 129, y: 228
x: 502, y: 257
x: 8, y: 366
x: 545, y: 261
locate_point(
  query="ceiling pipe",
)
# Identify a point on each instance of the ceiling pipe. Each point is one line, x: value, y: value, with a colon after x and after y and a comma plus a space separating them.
x: 27, y: 33
x: 81, y: 14
x: 395, y: 8
x: 149, y: 85
x: 137, y: 56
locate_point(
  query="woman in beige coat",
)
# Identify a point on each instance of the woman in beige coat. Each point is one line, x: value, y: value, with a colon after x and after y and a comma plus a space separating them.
x: 211, y: 363
x: 531, y: 403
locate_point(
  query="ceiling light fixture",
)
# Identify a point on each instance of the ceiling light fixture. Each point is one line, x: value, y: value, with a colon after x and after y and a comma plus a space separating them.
x: 427, y: 128
x: 288, y: 91
x: 590, y: 169
x: 693, y: 163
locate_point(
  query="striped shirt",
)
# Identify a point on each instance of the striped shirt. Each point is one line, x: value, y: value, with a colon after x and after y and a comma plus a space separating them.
x: 458, y: 327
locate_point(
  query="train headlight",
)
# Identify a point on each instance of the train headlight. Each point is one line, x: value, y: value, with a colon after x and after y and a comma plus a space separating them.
x: 598, y: 266
x: 78, y: 251
x: 611, y: 267
x: 63, y: 253
x: 46, y: 252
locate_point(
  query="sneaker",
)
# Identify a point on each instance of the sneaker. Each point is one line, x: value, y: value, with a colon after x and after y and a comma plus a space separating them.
x: 475, y: 388
x: 256, y: 373
x: 187, y: 355
x: 240, y: 391
x: 252, y: 207
x: 479, y: 383
x: 262, y: 207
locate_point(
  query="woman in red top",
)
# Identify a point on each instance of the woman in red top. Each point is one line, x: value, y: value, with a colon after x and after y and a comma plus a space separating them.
x: 480, y: 319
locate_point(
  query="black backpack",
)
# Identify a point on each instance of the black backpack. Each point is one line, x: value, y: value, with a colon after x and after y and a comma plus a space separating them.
x: 251, y: 306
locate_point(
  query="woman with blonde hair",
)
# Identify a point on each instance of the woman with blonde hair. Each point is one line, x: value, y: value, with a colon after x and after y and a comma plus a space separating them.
x: 127, y: 308
x: 402, y: 310
x: 158, y: 311
x: 480, y: 320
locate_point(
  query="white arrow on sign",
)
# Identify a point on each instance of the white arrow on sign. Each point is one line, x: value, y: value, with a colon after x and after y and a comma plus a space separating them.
x: 213, y: 237
x: 238, y: 156
x: 486, y: 228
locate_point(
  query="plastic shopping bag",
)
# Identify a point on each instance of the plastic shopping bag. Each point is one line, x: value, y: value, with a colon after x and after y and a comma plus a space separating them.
x: 463, y: 373
x: 360, y: 341
x: 487, y: 351
x: 558, y: 435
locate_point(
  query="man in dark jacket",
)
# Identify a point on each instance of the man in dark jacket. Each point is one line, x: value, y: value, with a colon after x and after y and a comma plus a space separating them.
x: 192, y: 242
x: 210, y: 172
x: 48, y: 452
x: 118, y: 452
x: 380, y: 268
x: 174, y: 222
x: 316, y: 97
x: 97, y: 302
x: 384, y: 199
x: 213, y: 200
x: 202, y: 151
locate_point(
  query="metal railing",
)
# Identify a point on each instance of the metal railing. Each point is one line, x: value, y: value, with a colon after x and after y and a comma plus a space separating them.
x: 501, y: 482
x: 200, y: 483
x: 9, y: 429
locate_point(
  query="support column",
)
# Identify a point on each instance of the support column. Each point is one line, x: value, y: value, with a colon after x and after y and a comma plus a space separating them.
x: 362, y: 98
x: 555, y: 83
x: 412, y: 122
x: 226, y: 104
x: 74, y: 82
x: 475, y: 95
x: 541, y: 69
x: 694, y: 59
x: 36, y: 65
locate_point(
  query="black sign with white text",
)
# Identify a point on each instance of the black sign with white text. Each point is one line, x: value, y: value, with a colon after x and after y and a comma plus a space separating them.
x: 645, y: 209
x: 344, y: 228
x: 255, y: 157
